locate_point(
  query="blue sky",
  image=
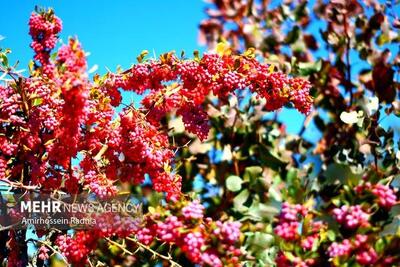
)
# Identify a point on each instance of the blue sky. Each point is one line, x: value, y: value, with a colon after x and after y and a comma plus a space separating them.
x: 114, y: 32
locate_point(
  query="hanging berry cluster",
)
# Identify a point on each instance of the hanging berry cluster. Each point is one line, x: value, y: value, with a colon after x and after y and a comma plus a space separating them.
x: 44, y: 28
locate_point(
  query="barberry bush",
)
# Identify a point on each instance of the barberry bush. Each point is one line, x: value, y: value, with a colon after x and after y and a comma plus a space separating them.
x: 60, y: 132
x: 326, y: 195
x: 221, y: 180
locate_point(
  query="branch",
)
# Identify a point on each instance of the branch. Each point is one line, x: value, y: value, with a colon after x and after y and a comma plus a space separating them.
x: 155, y: 253
x: 348, y: 66
x: 14, y: 75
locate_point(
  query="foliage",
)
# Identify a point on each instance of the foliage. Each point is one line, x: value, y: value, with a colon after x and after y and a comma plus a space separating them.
x: 345, y: 48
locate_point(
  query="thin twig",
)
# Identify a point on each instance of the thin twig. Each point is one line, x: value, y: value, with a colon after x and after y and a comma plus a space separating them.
x: 348, y: 66
x: 120, y: 246
x: 8, y: 227
x: 155, y: 253
x: 10, y: 73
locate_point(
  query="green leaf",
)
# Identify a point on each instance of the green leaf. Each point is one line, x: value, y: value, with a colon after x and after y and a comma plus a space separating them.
x: 142, y: 55
x: 291, y: 175
x: 266, y: 257
x: 31, y: 66
x: 155, y: 199
x: 261, y: 241
x: 234, y: 183
x: 293, y: 35
x: 53, y: 56
x: 4, y: 59
x: 37, y: 102
x: 301, y: 11
x: 252, y: 173
x: 341, y: 173
x: 196, y: 55
x: 394, y: 227
x: 115, y: 250
x: 270, y: 158
x: 259, y: 211
x: 383, y: 39
x: 331, y: 235
x: 250, y: 53
x: 319, y: 122
x: 380, y: 245
x: 275, y: 193
x: 223, y: 49
x: 336, y: 201
x: 239, y: 200
x: 307, y: 68
x: 290, y: 256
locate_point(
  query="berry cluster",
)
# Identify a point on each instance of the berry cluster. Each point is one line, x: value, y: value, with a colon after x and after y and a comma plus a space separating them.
x: 355, y: 240
x: 75, y: 91
x: 340, y: 249
x: 300, y: 94
x: 193, y: 242
x: 385, y: 196
x: 146, y: 150
x: 195, y: 121
x: 283, y: 261
x: 195, y: 235
x: 102, y: 187
x: 351, y: 216
x: 43, y: 253
x: 309, y: 242
x: 76, y: 248
x: 168, y: 230
x: 44, y: 28
x: 14, y: 257
x: 288, y: 227
x: 115, y: 224
x: 194, y: 210
x: 296, y: 225
x: 3, y: 168
x: 365, y: 254
x: 229, y: 232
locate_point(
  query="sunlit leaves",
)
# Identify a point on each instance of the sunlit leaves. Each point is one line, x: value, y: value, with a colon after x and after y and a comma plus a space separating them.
x: 234, y: 183
x: 352, y: 117
x: 307, y: 68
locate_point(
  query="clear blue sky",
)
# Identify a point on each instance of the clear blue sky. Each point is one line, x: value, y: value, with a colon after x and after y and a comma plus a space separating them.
x: 114, y: 32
